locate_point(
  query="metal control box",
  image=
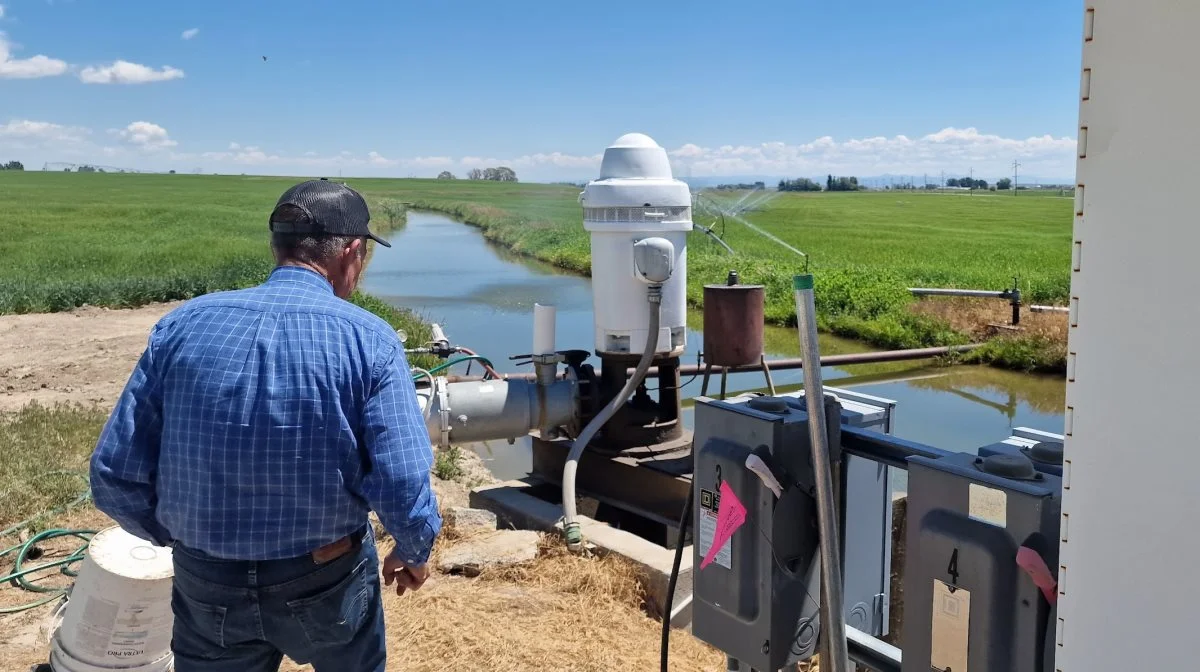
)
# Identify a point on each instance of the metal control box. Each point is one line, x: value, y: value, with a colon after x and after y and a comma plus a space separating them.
x: 758, y: 600
x: 1044, y: 448
x: 867, y: 535
x: 968, y: 604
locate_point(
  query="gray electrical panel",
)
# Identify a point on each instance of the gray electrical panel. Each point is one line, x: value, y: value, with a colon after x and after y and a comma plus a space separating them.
x: 758, y: 600
x: 968, y: 605
x: 867, y: 536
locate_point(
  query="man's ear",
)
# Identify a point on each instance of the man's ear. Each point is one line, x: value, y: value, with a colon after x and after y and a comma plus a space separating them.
x: 357, y: 249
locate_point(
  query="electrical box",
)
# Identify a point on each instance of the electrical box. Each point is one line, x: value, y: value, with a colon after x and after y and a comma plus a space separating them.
x: 759, y: 598
x: 979, y: 529
x: 1044, y: 448
x: 867, y: 536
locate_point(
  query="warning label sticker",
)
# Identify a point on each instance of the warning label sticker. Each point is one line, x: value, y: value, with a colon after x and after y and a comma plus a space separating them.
x: 710, y: 502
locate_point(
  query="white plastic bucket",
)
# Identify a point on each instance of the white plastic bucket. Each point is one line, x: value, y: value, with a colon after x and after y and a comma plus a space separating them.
x: 119, y: 615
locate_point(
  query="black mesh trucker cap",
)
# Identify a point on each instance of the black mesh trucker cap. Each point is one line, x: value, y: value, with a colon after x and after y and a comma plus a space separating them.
x: 330, y: 208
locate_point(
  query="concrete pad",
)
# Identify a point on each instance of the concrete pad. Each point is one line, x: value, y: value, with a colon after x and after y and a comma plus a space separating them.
x: 499, y: 548
x: 465, y: 522
x: 514, y: 506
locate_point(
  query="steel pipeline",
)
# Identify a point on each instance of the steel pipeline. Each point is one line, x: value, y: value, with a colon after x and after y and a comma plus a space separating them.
x: 787, y: 363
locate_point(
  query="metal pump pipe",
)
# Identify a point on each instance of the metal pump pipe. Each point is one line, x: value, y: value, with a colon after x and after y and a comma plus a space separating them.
x: 833, y: 628
x: 485, y: 410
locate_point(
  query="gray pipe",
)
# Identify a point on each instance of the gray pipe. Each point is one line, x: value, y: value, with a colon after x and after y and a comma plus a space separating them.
x: 570, y: 525
x: 979, y: 293
x: 833, y: 628
x: 470, y: 411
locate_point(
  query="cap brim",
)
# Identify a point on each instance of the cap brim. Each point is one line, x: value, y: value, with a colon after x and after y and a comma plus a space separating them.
x: 379, y: 240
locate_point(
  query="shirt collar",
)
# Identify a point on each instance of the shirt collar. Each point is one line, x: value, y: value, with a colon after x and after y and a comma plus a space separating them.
x: 300, y: 275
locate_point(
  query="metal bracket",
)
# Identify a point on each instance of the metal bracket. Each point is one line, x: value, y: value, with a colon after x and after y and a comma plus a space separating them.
x: 443, y: 396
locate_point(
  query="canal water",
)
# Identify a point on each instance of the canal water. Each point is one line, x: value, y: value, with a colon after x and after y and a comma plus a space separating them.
x: 483, y: 297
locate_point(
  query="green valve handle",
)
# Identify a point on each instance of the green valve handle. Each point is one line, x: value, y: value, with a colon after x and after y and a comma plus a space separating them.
x: 804, y: 281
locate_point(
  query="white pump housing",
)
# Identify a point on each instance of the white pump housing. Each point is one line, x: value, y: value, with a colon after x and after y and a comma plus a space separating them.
x: 636, y: 199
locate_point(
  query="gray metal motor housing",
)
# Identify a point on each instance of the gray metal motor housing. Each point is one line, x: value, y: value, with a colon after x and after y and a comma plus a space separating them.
x: 967, y: 605
x: 759, y: 602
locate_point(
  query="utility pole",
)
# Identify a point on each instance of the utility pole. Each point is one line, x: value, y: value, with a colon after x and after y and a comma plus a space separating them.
x: 972, y: 185
x: 1015, y: 166
x: 943, y: 182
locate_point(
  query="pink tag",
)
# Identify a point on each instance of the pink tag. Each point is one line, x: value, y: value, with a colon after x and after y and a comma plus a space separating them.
x: 730, y: 517
x: 1033, y: 564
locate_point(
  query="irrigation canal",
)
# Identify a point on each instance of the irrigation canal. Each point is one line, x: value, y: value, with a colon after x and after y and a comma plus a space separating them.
x: 483, y: 296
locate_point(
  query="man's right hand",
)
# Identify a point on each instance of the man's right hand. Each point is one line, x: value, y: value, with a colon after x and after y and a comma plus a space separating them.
x: 406, y: 577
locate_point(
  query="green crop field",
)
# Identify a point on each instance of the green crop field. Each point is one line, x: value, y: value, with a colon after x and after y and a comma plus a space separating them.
x: 865, y: 249
x: 71, y: 239
x: 104, y: 239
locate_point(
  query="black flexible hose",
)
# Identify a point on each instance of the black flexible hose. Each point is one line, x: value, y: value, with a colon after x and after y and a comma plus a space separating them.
x: 684, y: 521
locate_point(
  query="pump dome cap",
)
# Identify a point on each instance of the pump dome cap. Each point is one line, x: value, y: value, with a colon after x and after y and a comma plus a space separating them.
x: 635, y: 140
x: 635, y: 156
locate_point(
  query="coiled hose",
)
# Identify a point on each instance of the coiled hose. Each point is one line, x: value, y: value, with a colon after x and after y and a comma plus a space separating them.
x: 29, y: 552
x: 570, y: 525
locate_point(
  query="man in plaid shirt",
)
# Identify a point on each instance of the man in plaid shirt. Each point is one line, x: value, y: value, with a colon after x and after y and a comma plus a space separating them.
x: 256, y: 432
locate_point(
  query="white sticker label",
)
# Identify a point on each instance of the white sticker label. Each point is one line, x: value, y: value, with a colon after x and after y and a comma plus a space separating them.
x: 988, y: 505
x: 709, y: 503
x: 951, y: 628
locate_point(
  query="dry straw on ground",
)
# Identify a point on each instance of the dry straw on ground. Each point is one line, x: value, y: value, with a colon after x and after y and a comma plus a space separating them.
x: 976, y: 316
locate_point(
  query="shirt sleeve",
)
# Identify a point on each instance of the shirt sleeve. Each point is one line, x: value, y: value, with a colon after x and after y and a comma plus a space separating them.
x: 125, y: 462
x: 398, y: 484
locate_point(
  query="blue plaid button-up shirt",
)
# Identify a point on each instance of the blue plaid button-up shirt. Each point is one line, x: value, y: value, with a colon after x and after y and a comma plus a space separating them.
x: 264, y: 423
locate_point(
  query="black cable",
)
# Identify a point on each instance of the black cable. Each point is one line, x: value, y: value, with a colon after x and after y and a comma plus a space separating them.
x: 684, y: 520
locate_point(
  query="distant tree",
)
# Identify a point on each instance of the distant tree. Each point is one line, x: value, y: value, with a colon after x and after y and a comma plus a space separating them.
x: 1004, y: 183
x: 475, y: 174
x: 172, y: 172
x: 13, y: 165
x: 841, y: 184
x: 446, y: 175
x: 799, y: 184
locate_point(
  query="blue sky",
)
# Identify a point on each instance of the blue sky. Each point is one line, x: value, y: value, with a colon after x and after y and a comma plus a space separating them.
x: 400, y: 88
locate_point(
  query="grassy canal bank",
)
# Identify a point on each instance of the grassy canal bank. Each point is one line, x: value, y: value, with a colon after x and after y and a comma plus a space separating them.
x: 866, y: 250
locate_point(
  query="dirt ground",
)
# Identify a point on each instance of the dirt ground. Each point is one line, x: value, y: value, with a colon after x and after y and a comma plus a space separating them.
x: 559, y: 612
x: 83, y: 356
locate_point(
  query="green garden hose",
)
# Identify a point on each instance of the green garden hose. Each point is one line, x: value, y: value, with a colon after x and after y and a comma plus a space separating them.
x: 28, y: 552
x: 442, y: 367
x: 20, y: 570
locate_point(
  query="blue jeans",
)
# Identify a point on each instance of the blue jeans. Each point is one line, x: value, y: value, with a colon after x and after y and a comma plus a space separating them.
x: 244, y: 616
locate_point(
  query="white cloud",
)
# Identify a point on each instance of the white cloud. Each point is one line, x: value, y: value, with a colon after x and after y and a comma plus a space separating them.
x: 190, y: 33
x: 41, y: 131
x: 950, y: 149
x: 953, y: 150
x: 124, y: 72
x: 27, y: 68
x: 145, y: 135
x: 1, y: 11
x: 377, y: 159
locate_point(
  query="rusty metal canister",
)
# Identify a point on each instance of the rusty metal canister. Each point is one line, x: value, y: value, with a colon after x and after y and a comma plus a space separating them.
x: 733, y: 324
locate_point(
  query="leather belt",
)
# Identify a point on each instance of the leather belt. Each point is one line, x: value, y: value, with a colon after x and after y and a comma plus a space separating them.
x: 334, y: 550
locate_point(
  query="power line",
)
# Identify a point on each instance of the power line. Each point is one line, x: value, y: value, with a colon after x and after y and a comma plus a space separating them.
x: 1015, y: 166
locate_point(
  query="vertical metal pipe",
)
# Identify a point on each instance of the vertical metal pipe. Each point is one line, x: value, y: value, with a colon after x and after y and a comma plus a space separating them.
x: 833, y: 627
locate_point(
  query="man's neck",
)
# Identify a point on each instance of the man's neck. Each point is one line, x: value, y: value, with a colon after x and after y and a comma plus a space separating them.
x: 312, y: 267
